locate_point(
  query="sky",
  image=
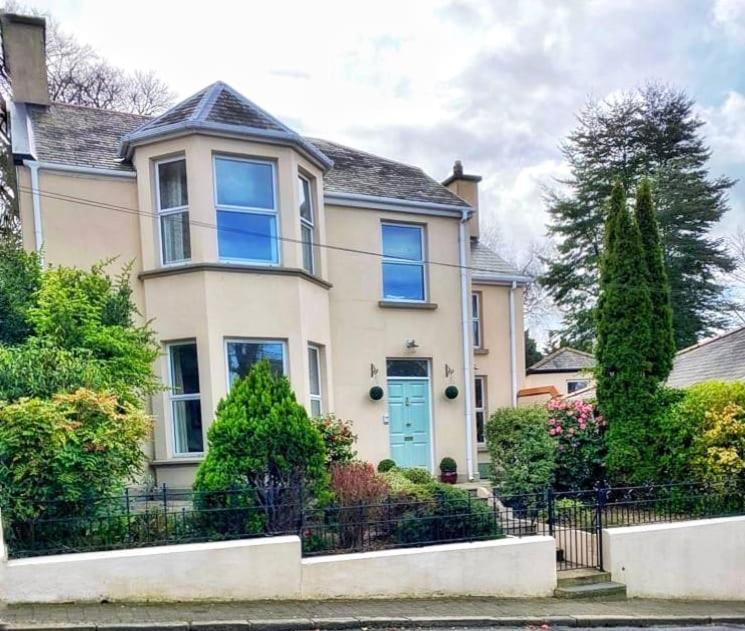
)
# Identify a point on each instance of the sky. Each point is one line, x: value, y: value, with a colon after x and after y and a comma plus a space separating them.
x: 495, y: 84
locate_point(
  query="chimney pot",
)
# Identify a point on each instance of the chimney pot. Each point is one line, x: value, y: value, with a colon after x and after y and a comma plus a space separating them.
x: 458, y: 169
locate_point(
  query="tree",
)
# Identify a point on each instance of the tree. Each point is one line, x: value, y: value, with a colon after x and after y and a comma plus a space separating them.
x: 662, y: 343
x: 20, y: 278
x: 625, y: 387
x: 262, y: 440
x: 532, y: 354
x: 652, y: 131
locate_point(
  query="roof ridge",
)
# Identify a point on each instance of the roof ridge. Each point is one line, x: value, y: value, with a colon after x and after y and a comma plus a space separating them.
x: 101, y: 109
x: 207, y: 101
x: 708, y: 341
x: 375, y: 155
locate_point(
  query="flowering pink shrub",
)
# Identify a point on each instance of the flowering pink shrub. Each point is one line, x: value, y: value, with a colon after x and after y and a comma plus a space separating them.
x: 578, y: 432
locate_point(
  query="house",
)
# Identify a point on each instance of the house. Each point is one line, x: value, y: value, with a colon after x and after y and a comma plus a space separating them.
x: 720, y: 358
x: 344, y: 269
x: 564, y: 372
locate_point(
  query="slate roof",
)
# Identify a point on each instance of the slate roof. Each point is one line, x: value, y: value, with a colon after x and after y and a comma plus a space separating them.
x: 487, y: 264
x: 89, y: 137
x: 721, y: 358
x: 361, y: 173
x: 81, y: 136
x: 563, y: 360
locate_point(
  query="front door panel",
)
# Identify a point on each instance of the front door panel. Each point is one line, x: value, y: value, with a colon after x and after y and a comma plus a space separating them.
x: 408, y: 410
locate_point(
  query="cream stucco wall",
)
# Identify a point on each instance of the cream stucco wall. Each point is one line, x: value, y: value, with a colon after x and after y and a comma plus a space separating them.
x: 557, y: 379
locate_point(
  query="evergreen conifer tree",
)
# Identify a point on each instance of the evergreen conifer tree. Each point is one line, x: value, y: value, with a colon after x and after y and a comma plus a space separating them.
x: 662, y: 343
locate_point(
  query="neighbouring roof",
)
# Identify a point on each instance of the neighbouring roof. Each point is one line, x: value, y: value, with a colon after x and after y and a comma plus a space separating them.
x: 563, y: 360
x: 487, y: 265
x: 721, y: 358
x: 89, y: 137
x: 361, y: 173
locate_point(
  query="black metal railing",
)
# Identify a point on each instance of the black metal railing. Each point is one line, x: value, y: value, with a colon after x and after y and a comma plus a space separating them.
x: 164, y: 515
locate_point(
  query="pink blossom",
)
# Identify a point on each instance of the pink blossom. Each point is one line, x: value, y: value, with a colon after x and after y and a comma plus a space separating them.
x: 552, y: 432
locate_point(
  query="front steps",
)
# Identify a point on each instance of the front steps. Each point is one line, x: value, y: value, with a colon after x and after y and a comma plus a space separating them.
x: 586, y: 583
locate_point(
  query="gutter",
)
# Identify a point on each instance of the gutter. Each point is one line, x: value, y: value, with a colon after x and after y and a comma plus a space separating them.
x: 513, y: 346
x: 33, y: 167
x: 464, y: 246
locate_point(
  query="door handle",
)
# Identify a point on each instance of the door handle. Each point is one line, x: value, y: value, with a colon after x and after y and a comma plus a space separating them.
x: 407, y: 401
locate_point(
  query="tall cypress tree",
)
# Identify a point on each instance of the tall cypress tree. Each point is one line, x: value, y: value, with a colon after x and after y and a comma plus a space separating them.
x: 653, y: 131
x: 662, y: 343
x: 625, y: 389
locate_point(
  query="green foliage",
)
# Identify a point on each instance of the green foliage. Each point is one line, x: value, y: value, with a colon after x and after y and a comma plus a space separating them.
x: 691, y: 422
x: 578, y: 433
x: 662, y: 343
x: 532, y: 354
x: 262, y: 437
x: 403, y: 488
x: 521, y: 450
x: 653, y: 131
x: 448, y: 465
x: 723, y: 447
x: 56, y: 453
x: 625, y: 389
x: 338, y: 438
x: 386, y: 465
x: 417, y: 475
x: 20, y: 277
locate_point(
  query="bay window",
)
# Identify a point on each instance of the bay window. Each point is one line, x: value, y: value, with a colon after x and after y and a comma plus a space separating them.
x: 241, y: 354
x: 403, y: 263
x: 172, y: 202
x: 307, y: 224
x: 186, y: 405
x: 246, y: 200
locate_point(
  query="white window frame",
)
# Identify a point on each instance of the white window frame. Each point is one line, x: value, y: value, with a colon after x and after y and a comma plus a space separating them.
x: 253, y: 340
x: 387, y: 259
x: 311, y: 225
x: 249, y: 210
x: 484, y: 405
x: 585, y: 381
x: 476, y: 319
x: 319, y: 396
x: 173, y: 398
x: 176, y: 210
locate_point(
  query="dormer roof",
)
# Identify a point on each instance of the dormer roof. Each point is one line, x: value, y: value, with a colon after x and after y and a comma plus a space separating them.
x: 219, y: 109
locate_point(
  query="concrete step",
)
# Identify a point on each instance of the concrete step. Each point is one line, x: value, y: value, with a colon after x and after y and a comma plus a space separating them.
x: 606, y: 591
x: 582, y: 576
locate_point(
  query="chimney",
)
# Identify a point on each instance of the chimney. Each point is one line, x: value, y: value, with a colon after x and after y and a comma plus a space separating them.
x: 467, y: 188
x: 24, y: 54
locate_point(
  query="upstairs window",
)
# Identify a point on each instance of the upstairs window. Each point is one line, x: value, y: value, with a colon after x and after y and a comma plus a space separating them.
x: 173, y: 211
x: 245, y: 195
x: 476, y: 318
x: 307, y: 224
x: 403, y: 263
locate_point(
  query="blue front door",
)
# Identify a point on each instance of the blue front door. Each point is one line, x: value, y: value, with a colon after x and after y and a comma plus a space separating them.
x: 408, y: 412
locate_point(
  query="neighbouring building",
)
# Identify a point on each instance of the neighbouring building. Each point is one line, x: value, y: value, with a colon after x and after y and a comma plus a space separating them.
x: 344, y: 269
x: 564, y: 372
x: 720, y: 358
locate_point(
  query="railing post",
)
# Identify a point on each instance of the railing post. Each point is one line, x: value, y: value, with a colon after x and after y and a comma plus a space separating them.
x: 551, y: 510
x: 599, y: 503
x: 165, y: 509
x: 129, y: 523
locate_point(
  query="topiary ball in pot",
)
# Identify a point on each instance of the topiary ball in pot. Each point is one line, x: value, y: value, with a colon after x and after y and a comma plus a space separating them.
x: 451, y: 392
x: 376, y: 393
x: 448, y: 471
x: 386, y: 465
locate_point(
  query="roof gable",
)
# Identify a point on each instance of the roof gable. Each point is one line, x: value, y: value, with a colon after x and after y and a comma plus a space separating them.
x: 564, y: 360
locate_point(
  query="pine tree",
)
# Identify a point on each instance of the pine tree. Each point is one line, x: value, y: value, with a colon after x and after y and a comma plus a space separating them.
x: 532, y: 354
x: 654, y: 132
x: 625, y: 388
x: 662, y: 343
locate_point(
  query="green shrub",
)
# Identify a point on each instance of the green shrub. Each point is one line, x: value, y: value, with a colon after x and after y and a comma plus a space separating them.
x: 417, y: 475
x: 20, y: 277
x: 448, y: 465
x: 386, y: 465
x: 402, y: 488
x: 338, y: 438
x: 521, y: 450
x: 263, y: 439
x: 56, y: 455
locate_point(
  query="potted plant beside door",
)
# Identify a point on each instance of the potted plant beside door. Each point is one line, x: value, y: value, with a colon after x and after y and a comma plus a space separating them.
x: 448, y: 470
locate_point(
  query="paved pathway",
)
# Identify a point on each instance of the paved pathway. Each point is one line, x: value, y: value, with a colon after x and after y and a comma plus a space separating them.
x: 464, y: 612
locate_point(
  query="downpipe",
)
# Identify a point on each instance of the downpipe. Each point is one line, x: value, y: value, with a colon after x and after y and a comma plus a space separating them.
x: 33, y: 167
x: 467, y: 345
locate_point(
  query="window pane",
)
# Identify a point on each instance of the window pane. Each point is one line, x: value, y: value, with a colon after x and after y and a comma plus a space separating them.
x: 240, y: 183
x: 475, y: 305
x: 476, y: 334
x: 402, y: 281
x: 184, y: 369
x: 243, y: 355
x: 315, y: 407
x: 479, y: 393
x: 176, y: 241
x: 402, y: 242
x: 247, y: 236
x: 315, y: 377
x: 306, y: 209
x: 407, y: 368
x: 573, y: 386
x: 187, y: 426
x: 307, y: 239
x: 172, y: 183
x: 480, y: 427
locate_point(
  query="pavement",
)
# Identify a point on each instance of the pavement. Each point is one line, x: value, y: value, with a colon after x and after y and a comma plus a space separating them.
x: 355, y: 614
